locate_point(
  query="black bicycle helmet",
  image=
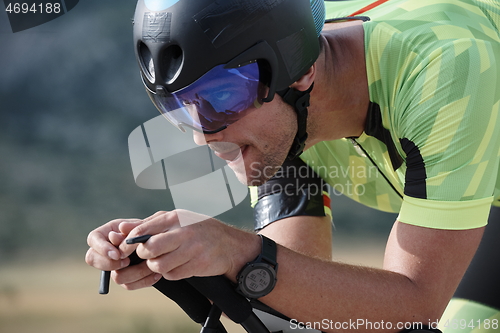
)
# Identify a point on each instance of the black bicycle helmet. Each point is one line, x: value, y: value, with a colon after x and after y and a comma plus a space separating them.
x: 178, y: 41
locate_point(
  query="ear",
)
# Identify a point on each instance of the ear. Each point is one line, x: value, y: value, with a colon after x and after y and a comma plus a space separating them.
x: 305, y: 80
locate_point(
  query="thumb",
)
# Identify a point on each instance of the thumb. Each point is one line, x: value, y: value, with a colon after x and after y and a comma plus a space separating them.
x: 127, y: 226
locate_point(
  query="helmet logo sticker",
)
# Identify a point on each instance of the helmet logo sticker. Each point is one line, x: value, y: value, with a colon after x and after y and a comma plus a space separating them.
x: 156, y: 27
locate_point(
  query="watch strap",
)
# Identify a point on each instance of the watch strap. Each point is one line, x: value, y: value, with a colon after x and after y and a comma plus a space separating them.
x: 267, y: 257
x: 268, y: 252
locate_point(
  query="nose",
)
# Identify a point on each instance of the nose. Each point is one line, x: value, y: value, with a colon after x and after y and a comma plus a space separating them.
x: 199, y: 138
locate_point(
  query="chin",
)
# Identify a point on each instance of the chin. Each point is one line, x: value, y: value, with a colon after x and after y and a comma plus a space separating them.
x: 257, y: 177
x: 242, y: 178
x: 246, y: 175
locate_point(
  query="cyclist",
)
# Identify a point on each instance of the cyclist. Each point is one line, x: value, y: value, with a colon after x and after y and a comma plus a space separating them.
x: 410, y: 88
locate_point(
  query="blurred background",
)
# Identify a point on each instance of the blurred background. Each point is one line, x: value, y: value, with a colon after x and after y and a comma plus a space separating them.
x: 70, y: 94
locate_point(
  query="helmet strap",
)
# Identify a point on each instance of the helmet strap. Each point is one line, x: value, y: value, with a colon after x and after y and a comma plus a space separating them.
x: 299, y: 100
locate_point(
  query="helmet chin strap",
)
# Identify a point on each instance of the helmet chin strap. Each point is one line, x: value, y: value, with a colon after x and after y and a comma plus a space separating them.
x: 299, y: 100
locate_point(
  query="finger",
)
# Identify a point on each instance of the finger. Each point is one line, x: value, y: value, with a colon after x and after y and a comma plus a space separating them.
x: 148, y: 281
x: 157, y: 223
x: 155, y: 215
x: 131, y: 274
x: 161, y: 244
x: 99, y: 261
x: 167, y: 264
x: 116, y: 238
x: 179, y: 273
x: 168, y: 251
x: 98, y: 239
x: 185, y: 262
x: 154, y: 225
x: 126, y: 226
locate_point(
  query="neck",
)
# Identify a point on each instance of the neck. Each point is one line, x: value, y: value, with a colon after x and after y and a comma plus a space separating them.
x: 340, y: 99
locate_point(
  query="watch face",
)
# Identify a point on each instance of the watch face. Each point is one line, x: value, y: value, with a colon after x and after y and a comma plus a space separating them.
x: 258, y: 280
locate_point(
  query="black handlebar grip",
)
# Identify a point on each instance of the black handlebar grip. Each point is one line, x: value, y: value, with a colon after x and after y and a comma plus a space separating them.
x: 222, y: 292
x: 193, y: 295
x: 134, y: 259
x: 104, y: 282
x: 194, y: 304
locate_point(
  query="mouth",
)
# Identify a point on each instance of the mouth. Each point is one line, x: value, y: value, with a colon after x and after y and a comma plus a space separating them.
x: 230, y: 153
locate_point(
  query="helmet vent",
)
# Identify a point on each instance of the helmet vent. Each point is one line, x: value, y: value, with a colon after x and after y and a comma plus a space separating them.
x: 147, y: 63
x: 171, y: 61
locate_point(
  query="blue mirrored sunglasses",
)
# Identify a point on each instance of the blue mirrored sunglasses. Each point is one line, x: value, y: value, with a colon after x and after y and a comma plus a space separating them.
x: 219, y: 98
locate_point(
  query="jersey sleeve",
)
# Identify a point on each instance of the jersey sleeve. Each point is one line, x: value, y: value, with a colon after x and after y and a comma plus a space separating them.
x: 449, y: 132
x: 433, y: 69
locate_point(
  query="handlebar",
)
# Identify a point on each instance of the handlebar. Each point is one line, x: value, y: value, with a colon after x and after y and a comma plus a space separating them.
x: 193, y: 295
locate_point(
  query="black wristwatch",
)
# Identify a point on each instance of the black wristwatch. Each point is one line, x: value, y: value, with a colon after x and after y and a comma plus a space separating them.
x: 258, y: 277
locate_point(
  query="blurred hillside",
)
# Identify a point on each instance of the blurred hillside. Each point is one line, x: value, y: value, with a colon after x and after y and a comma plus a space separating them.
x: 70, y: 94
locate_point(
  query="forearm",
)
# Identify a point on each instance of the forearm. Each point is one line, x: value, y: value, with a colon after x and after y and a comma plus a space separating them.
x: 314, y: 290
x: 422, y: 268
x: 309, y: 235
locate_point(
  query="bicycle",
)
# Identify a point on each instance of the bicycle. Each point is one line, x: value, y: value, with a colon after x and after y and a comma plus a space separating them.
x: 204, y: 299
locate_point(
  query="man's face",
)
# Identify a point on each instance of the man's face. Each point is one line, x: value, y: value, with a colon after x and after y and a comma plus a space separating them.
x: 256, y: 145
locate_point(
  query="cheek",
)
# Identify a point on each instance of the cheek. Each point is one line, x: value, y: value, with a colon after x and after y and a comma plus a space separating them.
x: 281, y: 130
x: 268, y: 131
x: 278, y: 123
x: 272, y: 142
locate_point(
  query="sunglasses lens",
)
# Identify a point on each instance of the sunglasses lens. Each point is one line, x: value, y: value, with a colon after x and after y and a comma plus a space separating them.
x: 217, y: 99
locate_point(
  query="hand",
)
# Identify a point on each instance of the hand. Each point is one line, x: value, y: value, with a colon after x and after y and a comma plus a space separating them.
x: 186, y: 244
x: 104, y: 254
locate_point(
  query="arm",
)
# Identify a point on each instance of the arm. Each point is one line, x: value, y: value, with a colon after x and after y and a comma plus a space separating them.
x: 310, y: 235
x: 422, y: 268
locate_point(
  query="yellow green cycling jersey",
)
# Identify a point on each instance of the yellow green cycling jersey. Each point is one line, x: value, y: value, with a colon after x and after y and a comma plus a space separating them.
x: 431, y: 145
